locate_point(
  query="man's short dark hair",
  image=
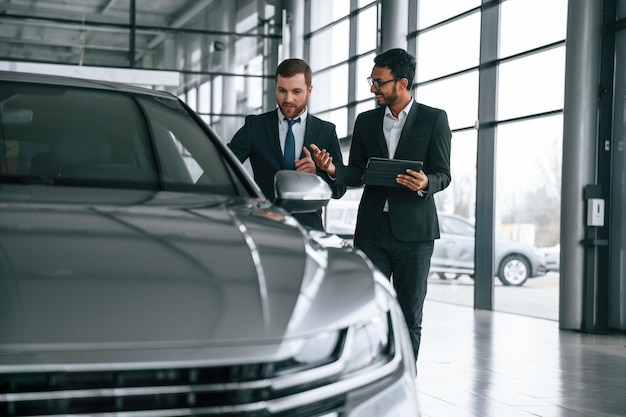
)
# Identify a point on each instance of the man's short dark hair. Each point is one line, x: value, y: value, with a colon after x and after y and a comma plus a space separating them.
x: 400, y: 63
x: 292, y: 66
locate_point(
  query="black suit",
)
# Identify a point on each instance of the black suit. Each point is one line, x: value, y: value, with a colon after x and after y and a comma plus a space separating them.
x: 426, y: 137
x: 258, y: 140
x: 400, y: 243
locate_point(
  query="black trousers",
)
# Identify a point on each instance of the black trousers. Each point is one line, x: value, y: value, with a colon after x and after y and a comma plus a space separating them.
x: 407, y: 265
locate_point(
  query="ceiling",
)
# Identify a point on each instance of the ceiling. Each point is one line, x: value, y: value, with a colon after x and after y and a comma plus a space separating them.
x: 93, y: 32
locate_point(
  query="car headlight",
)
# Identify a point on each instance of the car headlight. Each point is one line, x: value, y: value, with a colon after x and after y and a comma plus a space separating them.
x: 367, y: 344
x: 334, y: 354
x: 318, y: 348
x: 329, y: 365
x: 361, y: 345
x: 364, y: 352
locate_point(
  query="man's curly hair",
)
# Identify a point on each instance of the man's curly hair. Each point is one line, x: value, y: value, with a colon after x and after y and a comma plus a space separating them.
x: 400, y: 63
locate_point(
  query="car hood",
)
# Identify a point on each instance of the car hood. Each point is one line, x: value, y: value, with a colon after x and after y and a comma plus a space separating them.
x: 103, y: 276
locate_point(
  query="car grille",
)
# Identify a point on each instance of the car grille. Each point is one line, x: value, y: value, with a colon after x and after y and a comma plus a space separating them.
x: 215, y: 391
x: 236, y: 390
x: 282, y: 388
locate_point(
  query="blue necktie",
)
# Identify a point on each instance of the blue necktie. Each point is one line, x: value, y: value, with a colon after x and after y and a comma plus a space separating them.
x: 290, y: 145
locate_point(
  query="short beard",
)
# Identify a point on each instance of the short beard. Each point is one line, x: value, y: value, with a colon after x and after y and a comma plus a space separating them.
x: 391, y: 98
x: 299, y: 110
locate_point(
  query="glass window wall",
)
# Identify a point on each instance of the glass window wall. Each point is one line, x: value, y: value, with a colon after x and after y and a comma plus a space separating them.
x: 530, y: 89
x: 460, y: 196
x: 364, y: 65
x: 529, y: 24
x: 458, y: 96
x: 528, y: 206
x: 330, y: 46
x: 531, y: 85
x: 366, y: 38
x: 528, y: 186
x: 449, y: 48
x: 330, y: 89
x: 333, y: 53
x: 325, y: 12
x: 431, y: 12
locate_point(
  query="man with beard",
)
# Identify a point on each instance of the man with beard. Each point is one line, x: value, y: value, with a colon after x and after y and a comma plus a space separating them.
x: 396, y: 225
x: 281, y: 139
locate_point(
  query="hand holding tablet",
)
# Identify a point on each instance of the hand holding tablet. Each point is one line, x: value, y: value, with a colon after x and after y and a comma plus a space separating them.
x: 383, y: 171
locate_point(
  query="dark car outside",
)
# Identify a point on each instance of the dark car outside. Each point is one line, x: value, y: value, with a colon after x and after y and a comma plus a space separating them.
x: 514, y: 262
x: 453, y: 255
x: 143, y: 273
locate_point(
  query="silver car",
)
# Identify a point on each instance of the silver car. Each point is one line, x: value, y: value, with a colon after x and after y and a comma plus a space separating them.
x: 515, y: 262
x: 553, y: 255
x: 143, y: 273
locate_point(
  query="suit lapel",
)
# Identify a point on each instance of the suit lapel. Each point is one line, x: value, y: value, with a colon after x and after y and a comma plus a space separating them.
x: 411, y: 119
x: 271, y: 129
x: 311, y: 127
x: 380, y: 136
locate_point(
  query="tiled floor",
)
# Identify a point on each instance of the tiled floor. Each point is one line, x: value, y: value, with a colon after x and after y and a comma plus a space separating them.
x: 481, y: 363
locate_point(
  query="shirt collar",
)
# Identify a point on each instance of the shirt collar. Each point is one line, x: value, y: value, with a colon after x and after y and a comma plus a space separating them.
x: 403, y: 113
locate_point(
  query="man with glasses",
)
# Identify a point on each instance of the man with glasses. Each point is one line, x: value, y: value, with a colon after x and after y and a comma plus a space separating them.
x: 280, y: 139
x: 396, y: 225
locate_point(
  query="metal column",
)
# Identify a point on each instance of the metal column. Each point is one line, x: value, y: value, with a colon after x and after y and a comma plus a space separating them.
x: 486, y: 154
x: 580, y: 135
x: 394, y: 24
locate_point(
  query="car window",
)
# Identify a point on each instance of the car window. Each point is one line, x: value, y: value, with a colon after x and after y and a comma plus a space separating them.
x: 70, y: 135
x: 185, y: 156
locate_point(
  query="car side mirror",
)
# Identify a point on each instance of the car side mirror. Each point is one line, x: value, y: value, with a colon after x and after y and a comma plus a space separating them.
x: 300, y: 192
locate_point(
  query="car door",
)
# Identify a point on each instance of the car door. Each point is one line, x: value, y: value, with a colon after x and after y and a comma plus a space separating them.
x: 454, y: 251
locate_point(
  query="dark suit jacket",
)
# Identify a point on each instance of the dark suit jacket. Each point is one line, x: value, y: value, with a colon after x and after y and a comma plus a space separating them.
x: 425, y: 137
x: 258, y: 140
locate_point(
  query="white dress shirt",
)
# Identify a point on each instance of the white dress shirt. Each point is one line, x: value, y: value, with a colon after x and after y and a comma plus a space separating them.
x: 392, y: 129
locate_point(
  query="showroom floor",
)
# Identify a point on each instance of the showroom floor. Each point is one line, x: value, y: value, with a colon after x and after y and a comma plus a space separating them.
x: 482, y: 363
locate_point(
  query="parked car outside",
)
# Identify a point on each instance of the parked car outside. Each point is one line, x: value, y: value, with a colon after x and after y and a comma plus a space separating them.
x: 340, y: 214
x: 553, y: 257
x: 453, y: 255
x: 514, y: 261
x: 143, y: 273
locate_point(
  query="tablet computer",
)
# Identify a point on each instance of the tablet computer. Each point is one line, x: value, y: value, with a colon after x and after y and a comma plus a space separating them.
x: 383, y: 171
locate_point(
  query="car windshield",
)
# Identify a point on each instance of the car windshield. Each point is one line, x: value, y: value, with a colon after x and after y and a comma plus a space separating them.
x: 75, y: 136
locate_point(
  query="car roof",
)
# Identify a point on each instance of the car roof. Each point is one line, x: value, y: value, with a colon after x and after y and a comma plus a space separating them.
x: 24, y: 77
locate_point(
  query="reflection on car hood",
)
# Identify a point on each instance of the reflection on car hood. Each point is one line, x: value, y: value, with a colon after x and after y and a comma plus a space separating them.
x: 89, y: 271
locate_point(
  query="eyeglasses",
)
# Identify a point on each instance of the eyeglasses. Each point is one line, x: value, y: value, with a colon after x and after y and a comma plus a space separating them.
x: 376, y: 84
